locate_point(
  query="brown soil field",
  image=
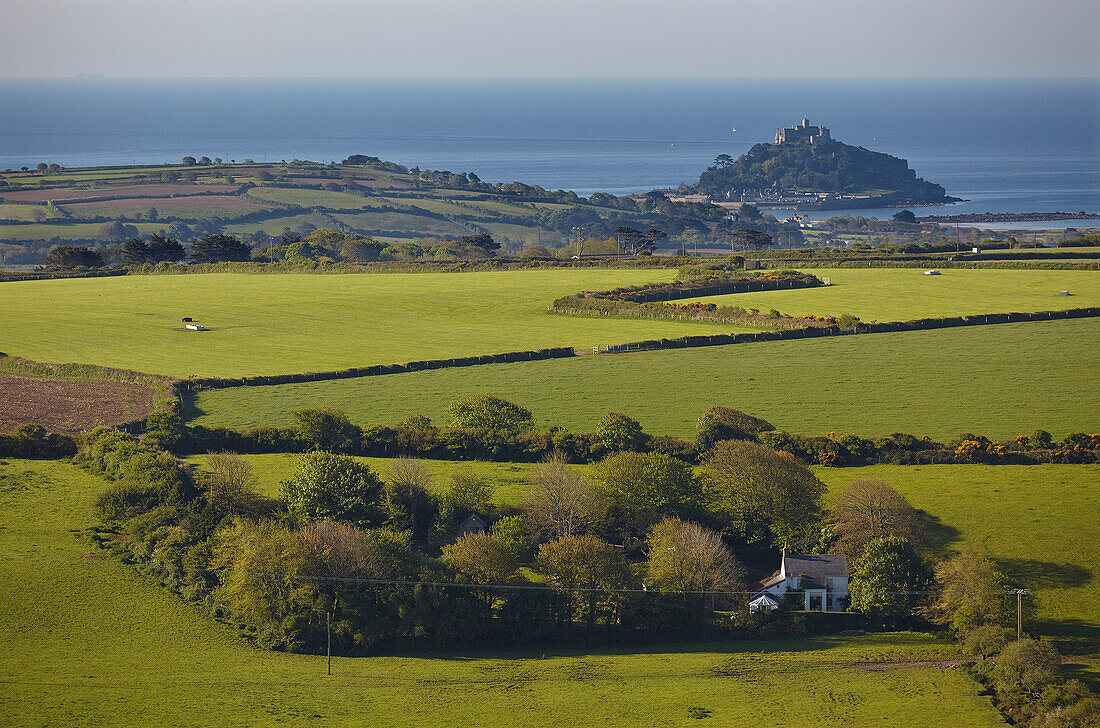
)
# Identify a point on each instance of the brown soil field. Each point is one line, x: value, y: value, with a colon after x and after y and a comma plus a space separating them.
x: 224, y: 201
x: 69, y: 407
x: 61, y: 194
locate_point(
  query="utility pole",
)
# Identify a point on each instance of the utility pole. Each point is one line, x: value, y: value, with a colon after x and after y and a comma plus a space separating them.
x: 328, y: 631
x: 1020, y: 612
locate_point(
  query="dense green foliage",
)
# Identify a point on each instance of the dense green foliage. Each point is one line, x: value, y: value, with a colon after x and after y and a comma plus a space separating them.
x: 827, y: 166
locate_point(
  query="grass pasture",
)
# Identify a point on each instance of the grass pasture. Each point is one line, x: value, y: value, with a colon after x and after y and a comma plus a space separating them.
x: 901, y: 294
x: 95, y: 643
x: 509, y: 480
x: 1002, y: 381
x: 311, y: 198
x: 266, y: 324
x: 1040, y: 522
x: 66, y: 230
x: 27, y: 213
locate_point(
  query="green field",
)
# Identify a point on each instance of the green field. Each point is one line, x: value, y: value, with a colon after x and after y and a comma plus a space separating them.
x: 1041, y: 522
x: 901, y: 294
x: 508, y: 479
x: 310, y: 198
x: 1002, y: 381
x: 92, y: 642
x: 267, y: 324
x: 66, y: 231
x: 27, y: 213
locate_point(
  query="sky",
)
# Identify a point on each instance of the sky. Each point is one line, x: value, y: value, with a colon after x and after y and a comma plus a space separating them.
x: 574, y: 38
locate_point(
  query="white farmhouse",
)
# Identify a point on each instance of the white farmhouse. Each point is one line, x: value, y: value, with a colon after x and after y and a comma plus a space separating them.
x: 822, y: 579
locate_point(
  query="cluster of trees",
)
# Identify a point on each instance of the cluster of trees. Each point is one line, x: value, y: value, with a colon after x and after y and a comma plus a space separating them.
x: 155, y: 249
x: 344, y: 542
x: 826, y: 166
x: 640, y: 546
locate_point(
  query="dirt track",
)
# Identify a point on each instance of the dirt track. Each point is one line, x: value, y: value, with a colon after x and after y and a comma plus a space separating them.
x: 69, y: 407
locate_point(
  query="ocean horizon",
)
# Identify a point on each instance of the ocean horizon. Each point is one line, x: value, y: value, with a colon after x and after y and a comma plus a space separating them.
x: 1004, y: 145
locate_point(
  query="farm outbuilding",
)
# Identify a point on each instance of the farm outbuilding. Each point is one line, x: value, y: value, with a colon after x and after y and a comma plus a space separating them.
x: 474, y: 524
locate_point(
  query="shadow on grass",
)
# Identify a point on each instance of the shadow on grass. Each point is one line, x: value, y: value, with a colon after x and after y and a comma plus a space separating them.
x: 1035, y: 574
x: 1081, y: 672
x: 940, y: 535
x: 1071, y: 636
x: 189, y: 407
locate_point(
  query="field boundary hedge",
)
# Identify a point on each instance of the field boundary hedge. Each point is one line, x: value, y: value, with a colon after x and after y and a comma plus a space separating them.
x: 187, y: 385
x: 922, y: 324
x: 683, y: 342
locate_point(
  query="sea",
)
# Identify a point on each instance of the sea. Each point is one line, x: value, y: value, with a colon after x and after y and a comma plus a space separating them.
x: 1004, y: 145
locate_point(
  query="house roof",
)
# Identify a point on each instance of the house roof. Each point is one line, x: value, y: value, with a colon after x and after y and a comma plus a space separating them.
x: 815, y: 568
x: 473, y: 520
x: 772, y: 580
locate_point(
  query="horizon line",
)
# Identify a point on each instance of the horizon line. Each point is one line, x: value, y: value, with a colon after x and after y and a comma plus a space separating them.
x: 94, y: 76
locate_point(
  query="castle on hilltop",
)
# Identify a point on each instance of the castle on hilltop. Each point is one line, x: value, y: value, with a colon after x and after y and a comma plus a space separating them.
x: 803, y: 133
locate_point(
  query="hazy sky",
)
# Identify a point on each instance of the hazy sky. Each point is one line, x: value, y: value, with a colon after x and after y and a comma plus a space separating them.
x: 194, y: 38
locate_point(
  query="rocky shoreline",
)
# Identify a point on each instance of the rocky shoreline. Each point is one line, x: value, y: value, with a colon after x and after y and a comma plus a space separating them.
x: 1010, y: 217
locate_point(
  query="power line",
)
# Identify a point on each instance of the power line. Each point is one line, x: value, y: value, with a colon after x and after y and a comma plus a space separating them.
x: 98, y: 558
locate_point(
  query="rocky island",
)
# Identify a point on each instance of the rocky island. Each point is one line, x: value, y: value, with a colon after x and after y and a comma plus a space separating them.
x: 807, y: 169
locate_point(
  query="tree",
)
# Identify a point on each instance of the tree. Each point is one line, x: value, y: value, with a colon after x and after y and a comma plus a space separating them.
x: 115, y: 230
x: 219, y: 248
x: 629, y: 238
x: 760, y: 494
x: 230, y: 485
x: 189, y: 161
x: 467, y: 493
x: 640, y: 488
x: 1024, y: 669
x: 483, y: 557
x: 972, y: 593
x: 750, y: 238
x: 650, y: 238
x: 722, y: 161
x: 486, y: 412
x: 726, y: 423
x: 617, y: 432
x: 160, y: 248
x: 67, y: 257
x: 327, y: 428
x: 156, y: 249
x: 559, y: 501
x: 333, y: 487
x: 262, y: 562
x: 264, y: 176
x: 511, y: 531
x: 905, y: 216
x: 587, y: 564
x: 407, y: 497
x: 890, y: 579
x: 481, y: 240
x: 42, y: 166
x: 179, y: 231
x: 867, y: 509
x: 684, y: 556
x: 205, y: 160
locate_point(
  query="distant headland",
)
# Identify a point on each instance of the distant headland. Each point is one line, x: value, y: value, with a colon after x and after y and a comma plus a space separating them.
x: 806, y: 169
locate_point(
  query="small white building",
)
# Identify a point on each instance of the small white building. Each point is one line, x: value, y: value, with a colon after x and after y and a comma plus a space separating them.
x: 822, y: 579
